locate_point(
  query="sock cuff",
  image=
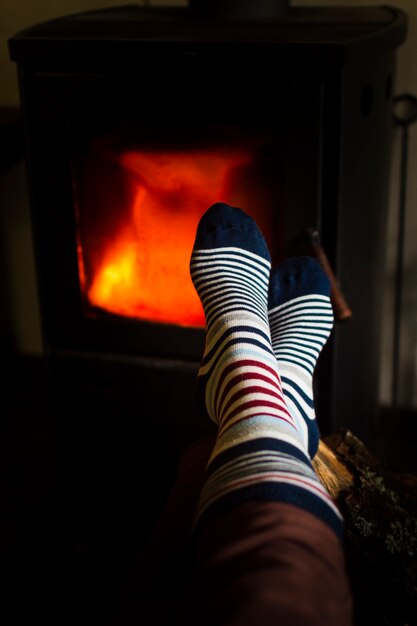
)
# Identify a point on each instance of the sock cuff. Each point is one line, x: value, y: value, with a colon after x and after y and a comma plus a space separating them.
x: 256, y: 445
x: 273, y: 492
x: 265, y: 469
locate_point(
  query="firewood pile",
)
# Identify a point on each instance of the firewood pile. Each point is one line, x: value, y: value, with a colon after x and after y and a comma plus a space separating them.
x: 380, y: 511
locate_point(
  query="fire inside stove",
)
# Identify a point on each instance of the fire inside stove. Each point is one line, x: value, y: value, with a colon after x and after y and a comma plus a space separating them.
x: 137, y: 212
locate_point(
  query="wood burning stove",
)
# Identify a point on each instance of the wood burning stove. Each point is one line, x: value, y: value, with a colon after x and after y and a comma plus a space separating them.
x: 137, y: 120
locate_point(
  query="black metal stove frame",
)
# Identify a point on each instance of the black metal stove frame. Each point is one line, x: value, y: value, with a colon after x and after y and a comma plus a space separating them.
x: 320, y: 78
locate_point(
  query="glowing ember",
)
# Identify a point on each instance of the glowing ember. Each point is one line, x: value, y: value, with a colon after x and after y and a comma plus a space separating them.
x: 144, y: 270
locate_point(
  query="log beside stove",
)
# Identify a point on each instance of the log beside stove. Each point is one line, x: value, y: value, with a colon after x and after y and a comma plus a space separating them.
x: 380, y: 510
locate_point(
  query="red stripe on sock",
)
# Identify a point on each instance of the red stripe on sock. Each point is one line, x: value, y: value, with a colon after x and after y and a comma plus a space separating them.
x: 246, y: 391
x: 244, y: 363
x: 241, y: 377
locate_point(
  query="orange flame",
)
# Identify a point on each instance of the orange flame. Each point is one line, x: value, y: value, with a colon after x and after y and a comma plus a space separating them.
x: 144, y: 271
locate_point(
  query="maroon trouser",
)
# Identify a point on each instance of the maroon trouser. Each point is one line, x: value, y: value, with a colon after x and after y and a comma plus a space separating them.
x: 260, y: 563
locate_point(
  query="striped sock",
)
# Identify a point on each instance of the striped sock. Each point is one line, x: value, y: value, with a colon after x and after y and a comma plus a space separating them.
x: 259, y: 453
x: 301, y: 320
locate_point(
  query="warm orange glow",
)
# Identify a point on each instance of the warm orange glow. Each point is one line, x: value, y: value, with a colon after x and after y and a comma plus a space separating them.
x: 143, y: 271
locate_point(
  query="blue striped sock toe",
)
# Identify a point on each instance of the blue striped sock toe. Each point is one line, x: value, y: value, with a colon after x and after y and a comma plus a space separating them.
x: 301, y: 320
x: 230, y: 267
x: 227, y: 226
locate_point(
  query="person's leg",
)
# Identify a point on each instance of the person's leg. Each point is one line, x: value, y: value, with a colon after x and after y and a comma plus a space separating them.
x: 267, y: 563
x: 301, y: 319
x: 259, y: 452
x: 263, y: 517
